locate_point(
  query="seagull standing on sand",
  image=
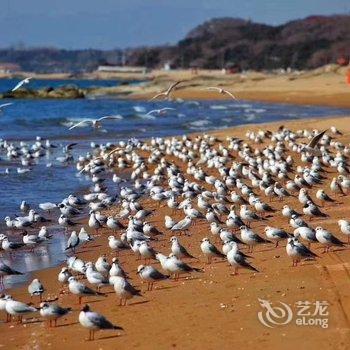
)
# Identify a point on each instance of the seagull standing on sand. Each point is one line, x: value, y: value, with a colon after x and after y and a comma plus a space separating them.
x: 124, y: 290
x: 80, y: 289
x: 150, y: 275
x: 210, y: 251
x: 36, y: 288
x: 179, y: 250
x: 327, y: 239
x: 17, y: 308
x: 297, y: 251
x: 94, y: 322
x: 344, y: 226
x: 251, y: 238
x: 238, y: 260
x: 52, y: 312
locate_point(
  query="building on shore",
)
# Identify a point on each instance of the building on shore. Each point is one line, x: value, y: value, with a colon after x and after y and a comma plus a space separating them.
x: 8, y: 68
x: 121, y: 69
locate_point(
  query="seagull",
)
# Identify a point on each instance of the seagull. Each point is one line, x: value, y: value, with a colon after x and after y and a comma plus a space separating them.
x: 221, y: 91
x: 160, y: 111
x: 124, y: 289
x: 116, y: 244
x: 276, y: 234
x: 94, y: 321
x: 167, y: 92
x: 344, y: 226
x: 177, y: 266
x: 311, y: 146
x: 17, y: 308
x: 52, y: 312
x: 4, y: 105
x: 116, y: 270
x: 22, y: 82
x: 179, y: 250
x: 182, y: 225
x: 96, y: 123
x: 63, y: 277
x: 151, y: 275
x: 80, y: 289
x: 251, y: 238
x: 307, y: 234
x: 237, y: 260
x: 36, y: 288
x: 327, y: 239
x: 95, y: 277
x: 298, y: 251
x: 73, y: 241
x: 209, y: 250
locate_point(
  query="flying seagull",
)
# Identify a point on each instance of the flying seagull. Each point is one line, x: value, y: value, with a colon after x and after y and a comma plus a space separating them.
x: 5, y: 105
x: 310, y: 147
x: 96, y: 123
x: 221, y: 91
x: 22, y: 82
x: 167, y: 92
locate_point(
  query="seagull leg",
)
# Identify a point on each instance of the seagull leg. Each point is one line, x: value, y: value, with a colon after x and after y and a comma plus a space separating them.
x: 276, y: 245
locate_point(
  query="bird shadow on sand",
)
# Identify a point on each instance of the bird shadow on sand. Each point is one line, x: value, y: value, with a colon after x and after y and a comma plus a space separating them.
x: 67, y: 324
x: 139, y: 302
x: 165, y: 287
x: 110, y: 337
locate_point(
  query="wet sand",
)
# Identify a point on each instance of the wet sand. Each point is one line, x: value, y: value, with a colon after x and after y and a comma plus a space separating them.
x: 212, y: 309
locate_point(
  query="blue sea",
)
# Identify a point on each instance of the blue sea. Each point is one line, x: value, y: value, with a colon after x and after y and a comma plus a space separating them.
x: 25, y: 120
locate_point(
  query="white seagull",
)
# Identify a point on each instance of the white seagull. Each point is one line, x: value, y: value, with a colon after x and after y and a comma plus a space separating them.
x: 96, y: 123
x: 22, y: 82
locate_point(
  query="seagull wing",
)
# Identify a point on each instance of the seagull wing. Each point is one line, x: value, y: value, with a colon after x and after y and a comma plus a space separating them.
x: 172, y: 86
x: 316, y: 139
x: 164, y: 109
x: 153, y: 111
x: 156, y: 96
x: 18, y: 85
x: 230, y: 94
x: 80, y: 123
x: 110, y: 117
x: 6, y: 104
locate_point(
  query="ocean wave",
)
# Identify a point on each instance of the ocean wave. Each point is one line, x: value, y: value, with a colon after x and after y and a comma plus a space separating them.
x: 139, y: 109
x: 218, y: 107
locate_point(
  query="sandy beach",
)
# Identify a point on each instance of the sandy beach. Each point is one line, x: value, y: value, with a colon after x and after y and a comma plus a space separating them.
x: 211, y: 309
x: 325, y: 86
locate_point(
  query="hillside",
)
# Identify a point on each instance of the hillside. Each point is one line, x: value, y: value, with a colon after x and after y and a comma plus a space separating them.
x: 300, y: 44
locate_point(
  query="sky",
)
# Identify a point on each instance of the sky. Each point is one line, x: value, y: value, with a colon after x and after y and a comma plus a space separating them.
x: 108, y: 24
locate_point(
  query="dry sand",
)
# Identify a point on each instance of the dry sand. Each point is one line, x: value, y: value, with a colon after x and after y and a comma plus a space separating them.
x: 212, y: 310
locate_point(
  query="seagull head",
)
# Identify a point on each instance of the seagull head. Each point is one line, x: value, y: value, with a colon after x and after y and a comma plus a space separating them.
x: 85, y: 308
x: 140, y: 268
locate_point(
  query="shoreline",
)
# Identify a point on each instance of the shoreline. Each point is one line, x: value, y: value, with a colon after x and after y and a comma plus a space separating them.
x: 197, y: 301
x: 324, y: 86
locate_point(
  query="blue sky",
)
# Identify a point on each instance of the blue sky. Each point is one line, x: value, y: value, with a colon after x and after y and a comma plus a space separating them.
x: 109, y: 24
